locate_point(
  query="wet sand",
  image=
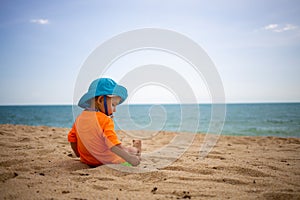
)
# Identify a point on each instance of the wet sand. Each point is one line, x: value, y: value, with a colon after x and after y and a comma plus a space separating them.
x: 38, y: 163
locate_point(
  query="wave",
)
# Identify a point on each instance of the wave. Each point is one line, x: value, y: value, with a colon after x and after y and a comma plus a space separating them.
x: 280, y: 121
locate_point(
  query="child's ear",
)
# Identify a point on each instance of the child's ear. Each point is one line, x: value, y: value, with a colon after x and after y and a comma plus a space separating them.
x: 99, y: 99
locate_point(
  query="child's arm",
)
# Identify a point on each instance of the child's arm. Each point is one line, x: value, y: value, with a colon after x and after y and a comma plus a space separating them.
x: 132, y: 159
x: 74, y: 147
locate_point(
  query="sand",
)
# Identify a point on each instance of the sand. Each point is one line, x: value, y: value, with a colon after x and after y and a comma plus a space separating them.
x: 37, y: 163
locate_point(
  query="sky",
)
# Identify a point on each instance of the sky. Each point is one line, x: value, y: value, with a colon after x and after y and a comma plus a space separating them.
x: 254, y: 44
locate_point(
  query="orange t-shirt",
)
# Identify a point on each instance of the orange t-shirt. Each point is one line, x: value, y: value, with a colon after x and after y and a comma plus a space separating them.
x: 95, y: 136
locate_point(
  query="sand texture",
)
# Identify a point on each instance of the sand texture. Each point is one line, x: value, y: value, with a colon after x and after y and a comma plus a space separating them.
x: 37, y: 163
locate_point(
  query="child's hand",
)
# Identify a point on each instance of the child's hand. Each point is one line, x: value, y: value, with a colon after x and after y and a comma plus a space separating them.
x: 134, y: 160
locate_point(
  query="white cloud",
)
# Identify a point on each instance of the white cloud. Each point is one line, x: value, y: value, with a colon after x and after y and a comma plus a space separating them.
x: 277, y: 28
x: 271, y: 26
x: 40, y: 21
x: 288, y: 27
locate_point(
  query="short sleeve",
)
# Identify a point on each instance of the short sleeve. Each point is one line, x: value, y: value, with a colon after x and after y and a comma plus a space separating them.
x: 111, y: 138
x: 72, y: 134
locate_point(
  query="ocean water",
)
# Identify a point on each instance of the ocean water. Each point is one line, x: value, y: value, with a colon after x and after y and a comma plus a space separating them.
x: 275, y: 119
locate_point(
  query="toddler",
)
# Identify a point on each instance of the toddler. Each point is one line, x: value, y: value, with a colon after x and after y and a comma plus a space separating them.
x: 92, y: 136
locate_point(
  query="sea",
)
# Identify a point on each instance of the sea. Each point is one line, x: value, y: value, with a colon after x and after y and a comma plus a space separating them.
x: 256, y: 119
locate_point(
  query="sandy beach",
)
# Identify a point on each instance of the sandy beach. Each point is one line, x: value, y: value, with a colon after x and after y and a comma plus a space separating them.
x: 37, y: 163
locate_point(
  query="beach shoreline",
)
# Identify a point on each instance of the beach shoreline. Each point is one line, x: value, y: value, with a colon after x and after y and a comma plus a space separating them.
x: 38, y: 163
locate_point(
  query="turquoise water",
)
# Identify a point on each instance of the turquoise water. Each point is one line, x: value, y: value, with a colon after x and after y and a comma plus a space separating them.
x: 277, y: 119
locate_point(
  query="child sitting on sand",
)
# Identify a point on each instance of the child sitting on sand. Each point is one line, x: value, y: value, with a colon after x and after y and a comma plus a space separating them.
x: 92, y: 136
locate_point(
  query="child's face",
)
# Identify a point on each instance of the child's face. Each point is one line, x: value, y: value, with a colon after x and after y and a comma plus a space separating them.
x: 112, y: 103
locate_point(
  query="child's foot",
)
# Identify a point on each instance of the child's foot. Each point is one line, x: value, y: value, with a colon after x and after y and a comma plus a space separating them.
x: 138, y: 145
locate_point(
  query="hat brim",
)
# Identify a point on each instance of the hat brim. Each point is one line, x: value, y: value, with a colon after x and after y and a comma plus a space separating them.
x: 119, y: 90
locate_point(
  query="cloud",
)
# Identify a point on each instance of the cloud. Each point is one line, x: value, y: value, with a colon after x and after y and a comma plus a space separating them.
x: 277, y: 28
x: 287, y: 27
x: 40, y: 21
x: 271, y: 26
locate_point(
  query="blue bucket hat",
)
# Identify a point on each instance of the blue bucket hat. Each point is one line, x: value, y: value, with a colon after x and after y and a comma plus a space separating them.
x: 103, y: 87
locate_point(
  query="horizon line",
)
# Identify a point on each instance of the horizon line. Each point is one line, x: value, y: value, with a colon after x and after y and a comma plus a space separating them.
x: 204, y: 103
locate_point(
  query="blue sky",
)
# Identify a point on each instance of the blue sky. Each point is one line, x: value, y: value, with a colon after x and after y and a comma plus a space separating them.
x: 254, y: 44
